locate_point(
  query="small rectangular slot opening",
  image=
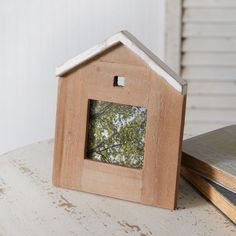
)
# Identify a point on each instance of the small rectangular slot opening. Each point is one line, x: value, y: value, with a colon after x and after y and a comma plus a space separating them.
x: 118, y: 81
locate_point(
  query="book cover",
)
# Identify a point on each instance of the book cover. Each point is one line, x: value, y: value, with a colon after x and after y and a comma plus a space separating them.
x: 221, y: 197
x: 213, y: 155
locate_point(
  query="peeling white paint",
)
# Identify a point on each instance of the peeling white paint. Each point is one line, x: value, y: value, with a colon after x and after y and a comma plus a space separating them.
x: 30, y: 205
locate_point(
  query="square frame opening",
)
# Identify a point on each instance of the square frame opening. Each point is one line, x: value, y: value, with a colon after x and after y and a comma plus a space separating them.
x: 116, y: 133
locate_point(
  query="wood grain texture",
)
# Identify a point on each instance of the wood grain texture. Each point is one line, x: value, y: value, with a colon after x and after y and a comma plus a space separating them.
x: 214, y: 155
x: 152, y: 185
x: 220, y: 197
x: 134, y: 45
x: 162, y: 112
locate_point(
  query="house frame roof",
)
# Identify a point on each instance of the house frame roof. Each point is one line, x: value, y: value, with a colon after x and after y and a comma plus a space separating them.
x: 135, y: 46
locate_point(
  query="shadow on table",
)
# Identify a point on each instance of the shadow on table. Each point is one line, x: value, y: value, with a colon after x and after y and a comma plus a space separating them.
x: 188, y: 196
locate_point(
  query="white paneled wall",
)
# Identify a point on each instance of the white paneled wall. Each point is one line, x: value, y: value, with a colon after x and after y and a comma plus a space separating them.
x: 38, y: 35
x: 209, y: 63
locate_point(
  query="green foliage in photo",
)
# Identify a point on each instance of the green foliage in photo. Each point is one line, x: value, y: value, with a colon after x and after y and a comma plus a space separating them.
x: 116, y: 133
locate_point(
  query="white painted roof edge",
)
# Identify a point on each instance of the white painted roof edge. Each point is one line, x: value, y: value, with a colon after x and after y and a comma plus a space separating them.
x: 138, y: 48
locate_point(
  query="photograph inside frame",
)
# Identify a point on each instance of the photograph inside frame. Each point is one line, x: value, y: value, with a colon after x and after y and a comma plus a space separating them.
x: 116, y: 133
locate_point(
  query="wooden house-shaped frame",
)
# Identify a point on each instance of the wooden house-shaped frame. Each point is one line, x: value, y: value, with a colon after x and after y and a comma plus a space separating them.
x: 148, y: 83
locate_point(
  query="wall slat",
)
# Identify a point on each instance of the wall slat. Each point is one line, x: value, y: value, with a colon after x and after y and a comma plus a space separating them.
x: 209, y: 44
x: 209, y: 59
x: 203, y: 115
x: 209, y: 3
x: 209, y: 30
x: 208, y: 63
x: 212, y: 88
x: 212, y: 102
x: 218, y: 15
x: 209, y: 73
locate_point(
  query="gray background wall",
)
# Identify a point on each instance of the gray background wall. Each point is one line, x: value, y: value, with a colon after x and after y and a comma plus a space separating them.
x: 36, y: 36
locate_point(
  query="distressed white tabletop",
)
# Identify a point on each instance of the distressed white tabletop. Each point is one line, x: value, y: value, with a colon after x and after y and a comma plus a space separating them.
x: 30, y: 205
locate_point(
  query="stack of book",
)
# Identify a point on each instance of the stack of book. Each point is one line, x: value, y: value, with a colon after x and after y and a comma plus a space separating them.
x: 209, y: 164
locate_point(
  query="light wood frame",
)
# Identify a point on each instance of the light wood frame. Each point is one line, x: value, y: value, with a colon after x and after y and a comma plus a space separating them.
x: 156, y: 184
